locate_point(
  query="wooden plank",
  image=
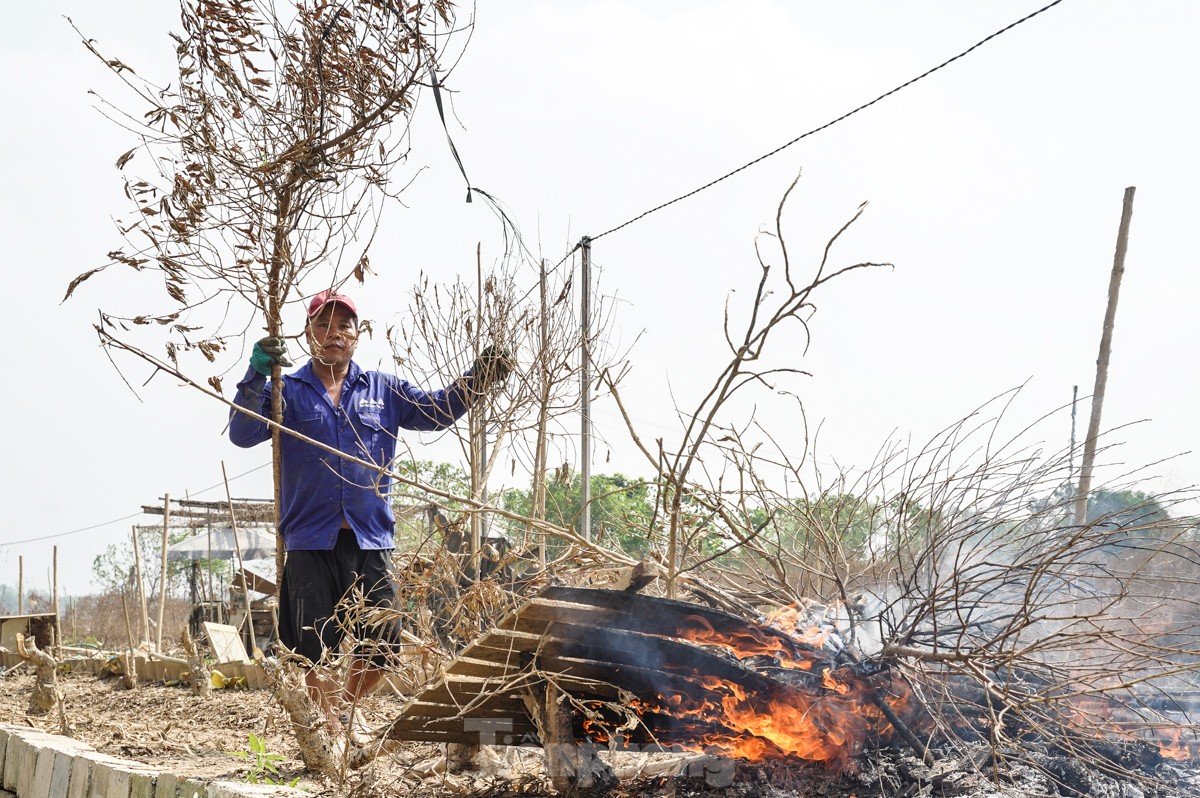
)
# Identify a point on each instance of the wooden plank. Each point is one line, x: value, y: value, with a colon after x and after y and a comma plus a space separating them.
x: 521, y: 725
x: 225, y: 642
x: 468, y: 738
x: 459, y: 691
x: 467, y: 666
x: 496, y: 708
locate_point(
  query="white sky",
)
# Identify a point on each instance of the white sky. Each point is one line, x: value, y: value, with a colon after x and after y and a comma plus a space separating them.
x: 995, y: 188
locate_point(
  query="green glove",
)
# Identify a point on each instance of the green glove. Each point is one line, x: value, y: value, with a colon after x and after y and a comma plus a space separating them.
x: 267, y: 352
x: 493, y: 365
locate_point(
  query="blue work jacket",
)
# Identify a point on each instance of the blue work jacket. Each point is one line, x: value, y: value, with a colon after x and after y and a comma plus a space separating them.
x: 318, y: 488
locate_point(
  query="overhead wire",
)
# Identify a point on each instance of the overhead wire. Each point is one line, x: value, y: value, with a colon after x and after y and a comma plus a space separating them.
x: 124, y: 517
x: 827, y: 125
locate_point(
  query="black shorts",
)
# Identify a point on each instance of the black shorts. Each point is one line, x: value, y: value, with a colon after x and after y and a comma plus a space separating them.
x: 318, y: 606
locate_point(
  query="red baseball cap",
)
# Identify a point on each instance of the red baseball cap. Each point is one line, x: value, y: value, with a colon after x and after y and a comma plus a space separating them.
x: 325, y: 297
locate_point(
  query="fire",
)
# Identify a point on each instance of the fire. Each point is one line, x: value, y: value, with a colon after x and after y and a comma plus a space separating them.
x: 752, y: 642
x: 819, y: 720
x: 1173, y: 747
x: 816, y: 726
x: 833, y: 684
x: 824, y: 717
x: 1113, y: 720
x: 790, y: 620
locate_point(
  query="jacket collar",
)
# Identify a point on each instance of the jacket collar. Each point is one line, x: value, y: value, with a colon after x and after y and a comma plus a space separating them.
x: 307, y: 374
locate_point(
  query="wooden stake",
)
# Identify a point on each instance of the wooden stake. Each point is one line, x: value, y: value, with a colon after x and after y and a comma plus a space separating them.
x: 1071, y: 453
x: 54, y: 585
x: 162, y: 577
x: 1110, y: 315
x: 208, y: 563
x: 141, y: 585
x: 54, y: 594
x: 128, y: 625
x: 237, y: 552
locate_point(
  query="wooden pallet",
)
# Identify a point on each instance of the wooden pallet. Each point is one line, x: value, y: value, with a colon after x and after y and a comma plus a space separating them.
x: 599, y: 645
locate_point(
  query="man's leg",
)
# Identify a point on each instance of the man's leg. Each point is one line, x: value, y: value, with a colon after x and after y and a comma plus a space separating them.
x: 326, y: 694
x: 377, y: 643
x: 364, y: 675
x: 306, y: 602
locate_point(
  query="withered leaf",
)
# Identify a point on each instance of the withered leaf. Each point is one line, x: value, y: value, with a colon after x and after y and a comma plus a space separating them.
x: 362, y: 269
x: 215, y: 382
x: 124, y: 159
x: 75, y: 283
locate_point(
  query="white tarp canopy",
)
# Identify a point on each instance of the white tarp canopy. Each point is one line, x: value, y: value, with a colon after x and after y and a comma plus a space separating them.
x: 257, y: 543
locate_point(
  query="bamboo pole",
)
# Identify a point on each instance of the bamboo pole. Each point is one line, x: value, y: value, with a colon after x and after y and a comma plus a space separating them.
x: 237, y: 552
x: 54, y: 583
x: 1071, y: 452
x: 128, y: 625
x: 208, y: 563
x: 1110, y: 315
x: 20, y: 584
x: 162, y: 577
x: 141, y: 585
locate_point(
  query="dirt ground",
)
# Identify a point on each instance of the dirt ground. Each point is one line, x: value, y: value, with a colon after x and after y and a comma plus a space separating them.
x: 171, y: 728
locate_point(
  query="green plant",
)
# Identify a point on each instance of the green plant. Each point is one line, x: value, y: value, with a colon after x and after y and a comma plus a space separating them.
x: 264, y: 768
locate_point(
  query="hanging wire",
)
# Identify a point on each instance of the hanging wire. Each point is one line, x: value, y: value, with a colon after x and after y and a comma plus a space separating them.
x: 828, y: 124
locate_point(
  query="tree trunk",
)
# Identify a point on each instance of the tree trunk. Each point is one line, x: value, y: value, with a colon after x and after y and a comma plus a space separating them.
x: 45, y: 693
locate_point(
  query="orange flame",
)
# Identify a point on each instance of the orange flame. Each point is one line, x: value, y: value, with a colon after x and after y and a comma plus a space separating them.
x: 749, y: 642
x: 816, y: 726
x: 1173, y: 747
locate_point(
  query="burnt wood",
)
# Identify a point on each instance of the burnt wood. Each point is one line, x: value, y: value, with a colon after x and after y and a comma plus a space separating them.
x: 597, y: 643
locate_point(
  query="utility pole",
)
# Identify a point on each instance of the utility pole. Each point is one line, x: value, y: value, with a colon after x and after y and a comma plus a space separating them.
x: 1110, y: 315
x: 585, y: 385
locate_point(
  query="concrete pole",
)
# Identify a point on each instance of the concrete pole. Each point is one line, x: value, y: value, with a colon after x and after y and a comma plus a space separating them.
x: 585, y: 387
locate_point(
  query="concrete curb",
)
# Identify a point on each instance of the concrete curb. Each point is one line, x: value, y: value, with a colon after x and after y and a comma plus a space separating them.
x: 34, y: 764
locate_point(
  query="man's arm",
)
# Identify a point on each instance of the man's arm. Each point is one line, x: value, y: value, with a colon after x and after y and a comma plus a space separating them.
x: 253, y: 393
x: 427, y: 412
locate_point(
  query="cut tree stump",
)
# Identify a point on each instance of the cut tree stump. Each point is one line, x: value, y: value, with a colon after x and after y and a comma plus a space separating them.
x: 45, y: 695
x: 573, y: 766
x: 319, y: 750
x: 201, y: 674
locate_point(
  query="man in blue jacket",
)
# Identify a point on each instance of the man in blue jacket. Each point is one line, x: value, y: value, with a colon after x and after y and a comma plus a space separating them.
x: 335, y: 518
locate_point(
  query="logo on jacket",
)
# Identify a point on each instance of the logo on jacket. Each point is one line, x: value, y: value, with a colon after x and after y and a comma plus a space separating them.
x: 370, y: 404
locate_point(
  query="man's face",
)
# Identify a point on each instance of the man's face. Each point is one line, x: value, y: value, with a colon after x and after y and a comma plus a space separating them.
x: 333, y: 333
